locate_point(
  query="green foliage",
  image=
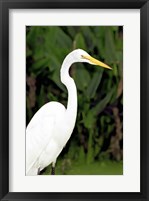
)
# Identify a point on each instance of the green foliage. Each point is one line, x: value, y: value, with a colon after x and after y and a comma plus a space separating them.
x: 66, y: 167
x: 100, y: 91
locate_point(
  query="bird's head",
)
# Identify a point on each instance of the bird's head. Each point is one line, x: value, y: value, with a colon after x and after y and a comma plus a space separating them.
x: 80, y: 55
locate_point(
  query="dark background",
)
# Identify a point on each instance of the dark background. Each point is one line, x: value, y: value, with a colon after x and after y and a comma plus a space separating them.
x: 96, y: 145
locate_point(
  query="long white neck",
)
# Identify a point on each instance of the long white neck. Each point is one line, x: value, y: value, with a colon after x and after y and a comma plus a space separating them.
x: 71, y: 87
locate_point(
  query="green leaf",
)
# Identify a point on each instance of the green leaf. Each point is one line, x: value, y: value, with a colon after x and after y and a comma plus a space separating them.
x: 28, y: 51
x: 41, y: 97
x: 110, y: 50
x: 90, y: 152
x: 93, y: 85
x: 79, y: 41
x: 100, y: 40
x: 51, y: 97
x: 114, y: 95
x: 54, y: 64
x: 114, y: 28
x: 89, y: 37
x: 62, y: 39
x: 115, y: 71
x: 72, y: 30
x: 56, y: 78
x: 41, y: 63
x: 102, y: 104
x: 82, y: 77
x: 98, y: 145
x: 89, y: 119
x: 81, y: 157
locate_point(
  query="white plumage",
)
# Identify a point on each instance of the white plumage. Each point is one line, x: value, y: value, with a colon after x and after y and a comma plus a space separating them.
x: 52, y: 125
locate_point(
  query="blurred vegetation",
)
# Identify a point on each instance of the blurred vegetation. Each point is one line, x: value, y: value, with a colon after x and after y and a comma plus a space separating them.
x: 97, y: 138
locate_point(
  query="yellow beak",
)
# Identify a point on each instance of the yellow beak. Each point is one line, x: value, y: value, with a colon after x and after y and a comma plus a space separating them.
x: 96, y: 62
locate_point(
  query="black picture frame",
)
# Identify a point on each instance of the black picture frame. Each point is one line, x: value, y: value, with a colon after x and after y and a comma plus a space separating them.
x: 5, y: 5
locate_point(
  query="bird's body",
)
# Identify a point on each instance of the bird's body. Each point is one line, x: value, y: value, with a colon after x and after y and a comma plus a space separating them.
x: 52, y: 125
x: 42, y: 138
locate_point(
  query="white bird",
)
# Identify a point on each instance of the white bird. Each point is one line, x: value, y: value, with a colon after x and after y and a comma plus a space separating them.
x: 52, y: 125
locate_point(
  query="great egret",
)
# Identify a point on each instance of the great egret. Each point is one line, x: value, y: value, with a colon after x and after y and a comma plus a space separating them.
x: 52, y: 125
